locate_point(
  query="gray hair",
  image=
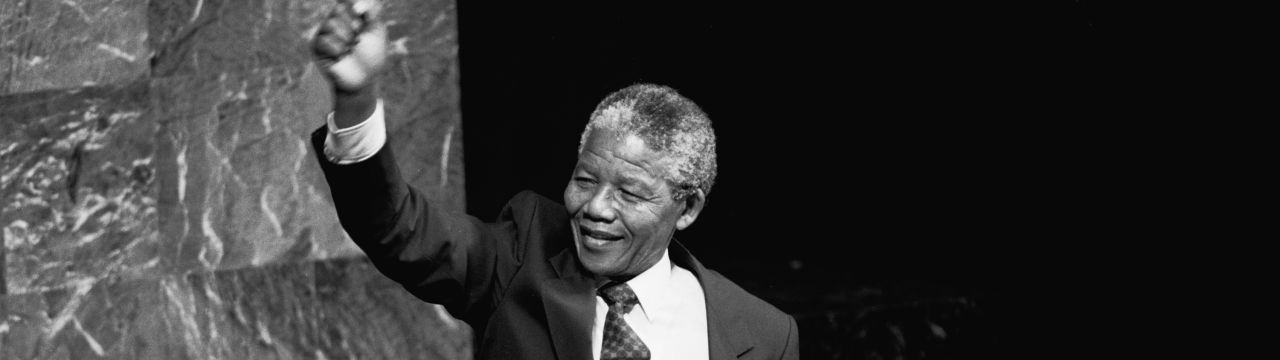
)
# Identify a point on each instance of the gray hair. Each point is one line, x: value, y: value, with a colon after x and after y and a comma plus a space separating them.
x: 670, y: 124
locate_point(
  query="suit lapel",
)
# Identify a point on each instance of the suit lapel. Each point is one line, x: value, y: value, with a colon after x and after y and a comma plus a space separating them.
x: 720, y: 342
x: 727, y: 336
x: 569, y: 303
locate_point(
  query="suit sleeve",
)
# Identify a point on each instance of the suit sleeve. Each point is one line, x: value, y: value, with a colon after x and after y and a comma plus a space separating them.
x: 792, y: 351
x: 445, y: 258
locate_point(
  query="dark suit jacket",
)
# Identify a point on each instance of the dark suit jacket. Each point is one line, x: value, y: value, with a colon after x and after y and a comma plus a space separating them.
x: 518, y: 281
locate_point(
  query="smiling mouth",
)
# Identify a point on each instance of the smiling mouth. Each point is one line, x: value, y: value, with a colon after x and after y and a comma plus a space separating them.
x: 597, y: 234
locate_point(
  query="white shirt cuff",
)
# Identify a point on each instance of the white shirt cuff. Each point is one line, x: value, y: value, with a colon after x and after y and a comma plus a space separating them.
x: 356, y: 143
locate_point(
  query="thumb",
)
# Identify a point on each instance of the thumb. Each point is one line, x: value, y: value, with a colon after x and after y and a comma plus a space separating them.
x: 369, y: 10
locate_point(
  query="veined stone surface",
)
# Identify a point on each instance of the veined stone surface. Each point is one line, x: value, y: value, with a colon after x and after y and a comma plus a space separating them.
x: 331, y: 309
x: 419, y: 89
x: 240, y: 185
x: 79, y: 189
x: 177, y: 211
x: 364, y: 314
x: 237, y: 180
x: 422, y: 99
x: 260, y: 313
x: 201, y: 37
x: 71, y: 43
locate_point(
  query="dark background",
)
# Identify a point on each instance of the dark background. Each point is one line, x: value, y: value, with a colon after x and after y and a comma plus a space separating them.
x: 908, y: 180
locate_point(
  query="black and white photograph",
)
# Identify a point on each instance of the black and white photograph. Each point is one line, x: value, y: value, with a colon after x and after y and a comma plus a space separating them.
x: 457, y: 179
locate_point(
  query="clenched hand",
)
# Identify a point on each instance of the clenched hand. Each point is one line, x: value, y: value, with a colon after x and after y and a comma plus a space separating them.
x: 351, y: 45
x: 351, y: 50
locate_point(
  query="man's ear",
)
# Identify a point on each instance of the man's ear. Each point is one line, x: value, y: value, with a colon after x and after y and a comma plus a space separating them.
x: 692, y: 207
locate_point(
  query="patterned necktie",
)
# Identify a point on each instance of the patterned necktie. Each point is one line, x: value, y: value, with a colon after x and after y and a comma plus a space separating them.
x: 620, y: 342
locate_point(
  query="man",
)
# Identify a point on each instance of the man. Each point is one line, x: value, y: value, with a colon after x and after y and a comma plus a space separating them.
x: 596, y: 278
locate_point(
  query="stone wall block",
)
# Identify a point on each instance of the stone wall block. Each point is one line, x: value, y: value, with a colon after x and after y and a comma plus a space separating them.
x: 66, y: 44
x: 78, y: 178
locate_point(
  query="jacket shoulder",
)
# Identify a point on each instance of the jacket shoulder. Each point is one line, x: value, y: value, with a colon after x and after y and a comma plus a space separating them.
x: 528, y: 208
x: 538, y: 222
x: 739, y: 301
x: 750, y: 319
x: 528, y: 199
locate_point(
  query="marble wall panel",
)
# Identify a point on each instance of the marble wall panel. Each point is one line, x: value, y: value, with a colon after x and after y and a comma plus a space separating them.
x: 193, y: 37
x: 420, y: 91
x: 175, y: 212
x: 240, y: 185
x: 364, y: 314
x: 260, y: 313
x: 67, y: 323
x: 71, y: 43
x: 78, y: 182
x: 421, y: 95
x: 422, y: 99
x: 200, y: 37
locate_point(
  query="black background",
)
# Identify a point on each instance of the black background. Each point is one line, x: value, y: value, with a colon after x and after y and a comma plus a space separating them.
x: 927, y: 151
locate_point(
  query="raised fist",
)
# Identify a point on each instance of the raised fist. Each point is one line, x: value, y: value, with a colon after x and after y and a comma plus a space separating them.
x: 351, y: 45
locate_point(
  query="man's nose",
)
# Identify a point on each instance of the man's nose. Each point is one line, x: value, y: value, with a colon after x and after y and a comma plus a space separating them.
x: 600, y: 207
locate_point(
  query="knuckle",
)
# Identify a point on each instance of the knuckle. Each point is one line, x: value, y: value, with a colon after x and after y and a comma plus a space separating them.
x: 322, y: 41
x: 329, y: 48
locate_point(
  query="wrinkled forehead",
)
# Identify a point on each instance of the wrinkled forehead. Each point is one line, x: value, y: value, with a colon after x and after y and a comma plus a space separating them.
x: 626, y: 150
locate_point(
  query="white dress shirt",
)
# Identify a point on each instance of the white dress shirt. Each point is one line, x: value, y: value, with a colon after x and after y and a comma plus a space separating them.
x: 358, y: 142
x: 671, y: 318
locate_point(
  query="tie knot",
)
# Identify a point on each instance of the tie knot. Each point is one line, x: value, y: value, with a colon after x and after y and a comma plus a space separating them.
x: 619, y: 294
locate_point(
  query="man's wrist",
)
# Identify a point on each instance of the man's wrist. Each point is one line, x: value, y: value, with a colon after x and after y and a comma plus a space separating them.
x: 357, y: 142
x: 353, y: 107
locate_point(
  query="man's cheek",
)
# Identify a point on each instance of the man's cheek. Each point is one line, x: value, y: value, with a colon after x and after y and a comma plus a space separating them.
x: 573, y: 199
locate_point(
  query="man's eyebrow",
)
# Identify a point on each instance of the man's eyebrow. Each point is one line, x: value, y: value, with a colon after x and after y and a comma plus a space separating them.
x: 632, y: 180
x: 586, y: 166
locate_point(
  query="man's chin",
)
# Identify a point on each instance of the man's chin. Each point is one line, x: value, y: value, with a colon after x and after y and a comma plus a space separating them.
x: 601, y: 271
x: 598, y: 264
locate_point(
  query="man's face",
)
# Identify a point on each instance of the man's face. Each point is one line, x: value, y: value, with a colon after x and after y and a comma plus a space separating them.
x: 622, y: 208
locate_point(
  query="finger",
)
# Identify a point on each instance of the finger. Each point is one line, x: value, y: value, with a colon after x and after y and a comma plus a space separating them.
x: 338, y: 28
x: 344, y: 14
x: 342, y: 21
x: 369, y: 10
x: 326, y: 63
x: 372, y: 43
x: 346, y: 10
x: 330, y: 47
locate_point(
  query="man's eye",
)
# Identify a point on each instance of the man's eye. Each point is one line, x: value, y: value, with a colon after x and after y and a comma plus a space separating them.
x: 629, y: 196
x: 584, y: 180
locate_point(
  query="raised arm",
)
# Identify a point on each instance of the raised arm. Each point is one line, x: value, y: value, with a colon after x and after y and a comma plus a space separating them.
x: 351, y: 50
x: 449, y: 259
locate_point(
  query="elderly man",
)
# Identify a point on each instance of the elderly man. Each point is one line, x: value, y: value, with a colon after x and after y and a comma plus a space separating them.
x: 598, y: 277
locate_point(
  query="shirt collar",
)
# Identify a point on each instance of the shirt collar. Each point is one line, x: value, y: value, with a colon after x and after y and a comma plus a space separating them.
x: 651, y: 285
